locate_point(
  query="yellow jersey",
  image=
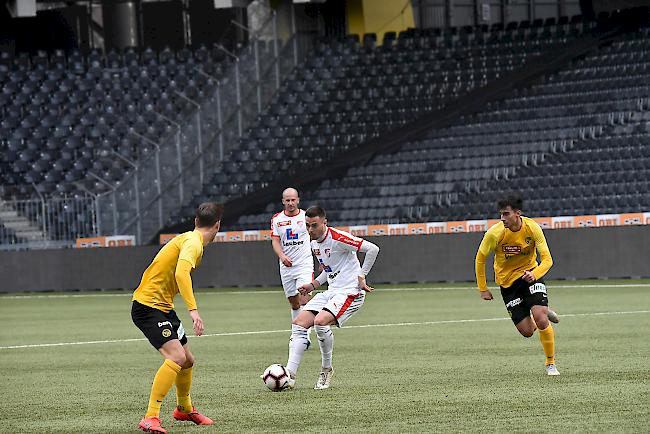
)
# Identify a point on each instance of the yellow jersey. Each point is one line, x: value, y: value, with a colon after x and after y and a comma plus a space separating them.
x: 514, y: 253
x: 158, y: 285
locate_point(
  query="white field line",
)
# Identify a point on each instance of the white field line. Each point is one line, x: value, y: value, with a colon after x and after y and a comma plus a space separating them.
x: 262, y: 292
x: 263, y: 332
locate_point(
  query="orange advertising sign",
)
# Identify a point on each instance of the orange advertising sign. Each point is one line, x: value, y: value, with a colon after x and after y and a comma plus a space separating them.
x: 400, y: 229
x: 455, y: 227
x: 108, y: 241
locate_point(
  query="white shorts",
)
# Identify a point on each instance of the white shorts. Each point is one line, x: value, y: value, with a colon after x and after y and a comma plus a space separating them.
x: 294, y: 277
x: 339, y: 304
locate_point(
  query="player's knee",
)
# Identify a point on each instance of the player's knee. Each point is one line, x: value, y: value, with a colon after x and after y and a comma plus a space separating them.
x: 179, y: 358
x: 320, y: 321
x: 542, y: 322
x: 527, y: 333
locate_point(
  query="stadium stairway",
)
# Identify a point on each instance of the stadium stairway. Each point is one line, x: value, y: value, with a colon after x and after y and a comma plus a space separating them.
x: 19, y: 226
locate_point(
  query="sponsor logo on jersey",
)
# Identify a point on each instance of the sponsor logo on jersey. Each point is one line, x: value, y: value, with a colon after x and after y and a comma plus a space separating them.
x: 284, y: 223
x: 513, y: 303
x: 529, y: 240
x: 292, y: 243
x: 166, y: 333
x: 327, y: 252
x: 512, y: 249
x: 291, y: 235
x: 160, y: 324
x: 538, y: 287
x: 317, y: 252
x: 333, y: 275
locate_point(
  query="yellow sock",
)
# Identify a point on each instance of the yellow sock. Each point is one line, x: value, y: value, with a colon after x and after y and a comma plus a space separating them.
x: 183, y: 385
x: 547, y: 338
x: 162, y: 382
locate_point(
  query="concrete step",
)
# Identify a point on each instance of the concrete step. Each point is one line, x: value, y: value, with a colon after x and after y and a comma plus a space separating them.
x: 31, y: 235
x: 8, y: 214
x: 17, y: 225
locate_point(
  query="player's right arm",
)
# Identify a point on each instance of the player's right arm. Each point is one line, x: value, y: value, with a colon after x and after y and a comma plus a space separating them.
x: 277, y: 248
x: 488, y: 244
x: 318, y: 281
x: 277, y: 245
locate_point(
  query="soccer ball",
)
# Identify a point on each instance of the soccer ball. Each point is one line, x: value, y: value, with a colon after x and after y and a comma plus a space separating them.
x: 276, y: 377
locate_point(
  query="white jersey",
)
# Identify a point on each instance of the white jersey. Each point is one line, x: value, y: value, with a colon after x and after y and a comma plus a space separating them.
x: 294, y: 239
x: 337, y: 253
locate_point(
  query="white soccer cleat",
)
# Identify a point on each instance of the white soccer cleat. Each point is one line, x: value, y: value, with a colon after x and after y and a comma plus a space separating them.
x: 553, y: 316
x: 324, y: 379
x: 290, y: 384
x: 552, y: 370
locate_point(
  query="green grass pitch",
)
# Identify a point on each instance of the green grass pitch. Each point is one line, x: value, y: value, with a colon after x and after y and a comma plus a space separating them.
x: 433, y: 359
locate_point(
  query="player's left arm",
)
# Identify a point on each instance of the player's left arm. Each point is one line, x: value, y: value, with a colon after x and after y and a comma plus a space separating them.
x: 184, y: 282
x: 190, y: 252
x: 544, y: 253
x: 371, y: 250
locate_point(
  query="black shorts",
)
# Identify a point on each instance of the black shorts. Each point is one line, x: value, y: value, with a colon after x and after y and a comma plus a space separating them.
x: 159, y: 327
x: 521, y: 296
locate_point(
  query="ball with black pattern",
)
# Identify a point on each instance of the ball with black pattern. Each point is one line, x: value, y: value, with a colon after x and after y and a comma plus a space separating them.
x: 276, y: 377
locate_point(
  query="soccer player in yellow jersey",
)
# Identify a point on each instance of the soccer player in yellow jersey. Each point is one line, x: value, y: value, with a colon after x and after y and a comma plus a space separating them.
x: 153, y: 313
x: 515, y: 241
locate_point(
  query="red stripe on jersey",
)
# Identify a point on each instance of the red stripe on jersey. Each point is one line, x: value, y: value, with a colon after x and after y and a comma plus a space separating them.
x: 337, y: 236
x: 347, y: 304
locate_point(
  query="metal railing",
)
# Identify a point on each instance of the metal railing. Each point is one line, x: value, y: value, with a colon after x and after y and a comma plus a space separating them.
x: 46, y: 223
x: 176, y: 169
x: 170, y: 171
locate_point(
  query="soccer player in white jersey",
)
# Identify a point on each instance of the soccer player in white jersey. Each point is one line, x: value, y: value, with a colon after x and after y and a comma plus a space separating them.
x: 290, y: 242
x: 336, y: 252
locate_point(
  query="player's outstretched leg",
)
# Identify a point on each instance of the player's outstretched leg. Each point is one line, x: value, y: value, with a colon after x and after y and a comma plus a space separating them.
x: 162, y: 382
x: 297, y: 346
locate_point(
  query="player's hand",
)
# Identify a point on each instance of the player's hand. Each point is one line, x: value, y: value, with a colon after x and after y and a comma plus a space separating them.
x: 528, y: 277
x: 286, y: 261
x: 486, y: 295
x: 306, y: 288
x: 363, y: 285
x: 197, y: 322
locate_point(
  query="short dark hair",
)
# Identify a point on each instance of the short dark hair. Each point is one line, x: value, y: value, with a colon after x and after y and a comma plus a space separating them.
x: 209, y: 213
x: 315, y: 211
x: 513, y: 201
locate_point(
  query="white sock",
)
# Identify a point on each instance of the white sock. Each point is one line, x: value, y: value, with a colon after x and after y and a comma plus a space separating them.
x: 297, y: 347
x: 295, y: 313
x: 326, y: 342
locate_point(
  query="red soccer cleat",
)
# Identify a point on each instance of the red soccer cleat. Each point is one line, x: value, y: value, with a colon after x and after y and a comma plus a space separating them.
x: 152, y: 425
x: 193, y: 416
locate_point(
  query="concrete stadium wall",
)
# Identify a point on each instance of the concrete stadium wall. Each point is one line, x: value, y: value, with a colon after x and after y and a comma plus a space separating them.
x: 578, y: 253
